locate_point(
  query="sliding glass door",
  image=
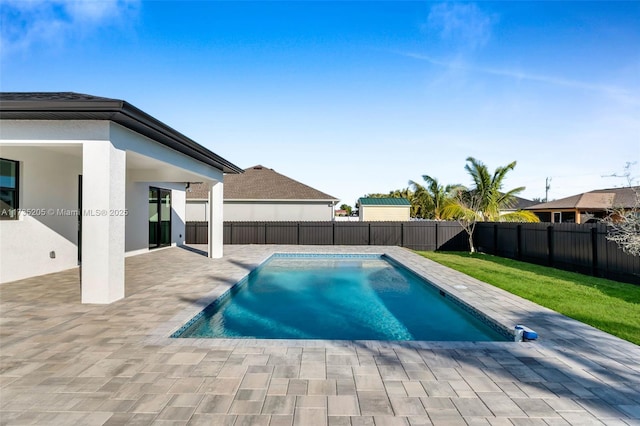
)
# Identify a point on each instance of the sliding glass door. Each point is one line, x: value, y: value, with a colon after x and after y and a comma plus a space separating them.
x: 159, y: 217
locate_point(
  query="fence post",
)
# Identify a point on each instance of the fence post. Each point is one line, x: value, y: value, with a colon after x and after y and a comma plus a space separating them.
x: 550, y: 244
x: 495, y: 239
x: 401, y: 234
x: 369, y: 233
x: 298, y: 233
x: 231, y: 233
x: 519, y: 241
x: 436, y: 236
x: 594, y: 251
x: 333, y: 233
x: 606, y: 251
x: 265, y: 233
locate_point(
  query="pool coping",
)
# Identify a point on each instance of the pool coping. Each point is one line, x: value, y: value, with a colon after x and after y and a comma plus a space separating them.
x: 504, y: 330
x: 422, y: 267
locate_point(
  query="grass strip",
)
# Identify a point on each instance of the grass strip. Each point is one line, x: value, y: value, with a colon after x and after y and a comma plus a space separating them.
x: 610, y: 306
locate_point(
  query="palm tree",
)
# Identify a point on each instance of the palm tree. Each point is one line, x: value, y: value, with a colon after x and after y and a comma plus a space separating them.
x: 485, y: 200
x: 432, y: 197
x: 420, y: 202
x: 491, y: 200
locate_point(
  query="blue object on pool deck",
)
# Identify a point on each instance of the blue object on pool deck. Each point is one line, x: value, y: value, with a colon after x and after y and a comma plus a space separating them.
x: 527, y: 333
x: 335, y: 298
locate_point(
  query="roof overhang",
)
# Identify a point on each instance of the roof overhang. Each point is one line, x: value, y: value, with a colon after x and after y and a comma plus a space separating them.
x: 283, y: 200
x: 117, y: 111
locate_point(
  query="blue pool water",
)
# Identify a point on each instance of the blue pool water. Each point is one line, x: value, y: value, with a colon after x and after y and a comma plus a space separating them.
x: 355, y: 298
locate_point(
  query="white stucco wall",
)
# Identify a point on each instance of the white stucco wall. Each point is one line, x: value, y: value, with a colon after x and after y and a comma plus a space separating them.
x: 49, y: 186
x: 277, y: 211
x: 197, y: 211
x: 385, y: 213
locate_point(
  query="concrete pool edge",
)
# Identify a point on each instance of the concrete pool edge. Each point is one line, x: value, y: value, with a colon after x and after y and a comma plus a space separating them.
x: 466, y: 308
x: 422, y: 267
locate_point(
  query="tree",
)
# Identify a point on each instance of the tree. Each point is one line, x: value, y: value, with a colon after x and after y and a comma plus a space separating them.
x: 464, y: 207
x: 624, y: 227
x: 431, y: 199
x: 485, y: 200
x: 347, y: 208
x: 491, y: 199
x: 624, y: 223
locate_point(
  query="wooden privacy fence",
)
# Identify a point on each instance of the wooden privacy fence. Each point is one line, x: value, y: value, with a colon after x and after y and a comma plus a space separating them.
x: 196, y: 233
x: 574, y: 247
x: 413, y: 235
x: 581, y: 248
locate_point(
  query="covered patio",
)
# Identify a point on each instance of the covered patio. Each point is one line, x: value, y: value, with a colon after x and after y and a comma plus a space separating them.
x: 64, y: 362
x: 90, y: 180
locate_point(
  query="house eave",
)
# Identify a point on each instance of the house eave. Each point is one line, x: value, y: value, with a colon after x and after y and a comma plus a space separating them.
x: 281, y: 200
x: 117, y: 111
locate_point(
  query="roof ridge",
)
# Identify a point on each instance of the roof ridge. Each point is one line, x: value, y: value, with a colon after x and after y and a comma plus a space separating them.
x: 264, y: 183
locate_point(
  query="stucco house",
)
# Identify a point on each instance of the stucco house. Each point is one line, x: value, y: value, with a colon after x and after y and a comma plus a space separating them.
x: 384, y: 209
x: 87, y: 180
x: 262, y: 194
x: 588, y: 206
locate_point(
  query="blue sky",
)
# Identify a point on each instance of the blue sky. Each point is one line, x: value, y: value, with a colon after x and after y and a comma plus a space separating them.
x: 358, y: 97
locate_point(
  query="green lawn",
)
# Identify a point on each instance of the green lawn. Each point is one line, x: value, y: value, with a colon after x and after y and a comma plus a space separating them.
x: 611, y: 306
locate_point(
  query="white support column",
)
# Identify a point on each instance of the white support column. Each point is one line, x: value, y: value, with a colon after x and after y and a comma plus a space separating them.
x: 216, y: 222
x: 103, y: 222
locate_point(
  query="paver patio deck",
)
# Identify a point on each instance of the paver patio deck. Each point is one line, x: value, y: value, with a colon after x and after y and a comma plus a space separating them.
x: 64, y: 363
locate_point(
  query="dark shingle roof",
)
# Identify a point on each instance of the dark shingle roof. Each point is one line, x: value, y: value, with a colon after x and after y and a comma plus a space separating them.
x: 51, y: 96
x: 78, y: 106
x: 199, y: 191
x: 384, y: 202
x: 522, y: 203
x: 262, y: 183
x: 600, y: 199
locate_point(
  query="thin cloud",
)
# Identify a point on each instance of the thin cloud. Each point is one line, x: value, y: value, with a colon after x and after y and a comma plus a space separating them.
x: 611, y: 91
x: 461, y: 23
x: 50, y: 23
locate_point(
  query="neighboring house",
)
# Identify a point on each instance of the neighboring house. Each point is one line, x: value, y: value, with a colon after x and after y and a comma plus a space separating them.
x: 262, y: 194
x: 586, y: 207
x: 384, y: 209
x: 341, y: 213
x: 90, y: 180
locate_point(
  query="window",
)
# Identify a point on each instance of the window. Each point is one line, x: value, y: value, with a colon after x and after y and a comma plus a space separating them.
x: 544, y: 216
x: 564, y: 217
x: 568, y: 217
x: 9, y: 173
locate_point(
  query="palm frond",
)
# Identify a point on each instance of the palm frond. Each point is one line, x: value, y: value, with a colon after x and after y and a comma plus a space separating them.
x: 520, y: 216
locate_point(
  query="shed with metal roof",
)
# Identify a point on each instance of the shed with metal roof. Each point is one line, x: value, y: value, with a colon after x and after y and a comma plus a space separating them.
x: 384, y: 209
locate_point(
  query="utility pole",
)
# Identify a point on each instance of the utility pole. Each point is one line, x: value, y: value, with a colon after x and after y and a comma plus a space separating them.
x: 547, y: 186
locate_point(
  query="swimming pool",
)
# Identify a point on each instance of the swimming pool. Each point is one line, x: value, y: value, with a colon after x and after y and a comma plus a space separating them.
x: 339, y: 297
